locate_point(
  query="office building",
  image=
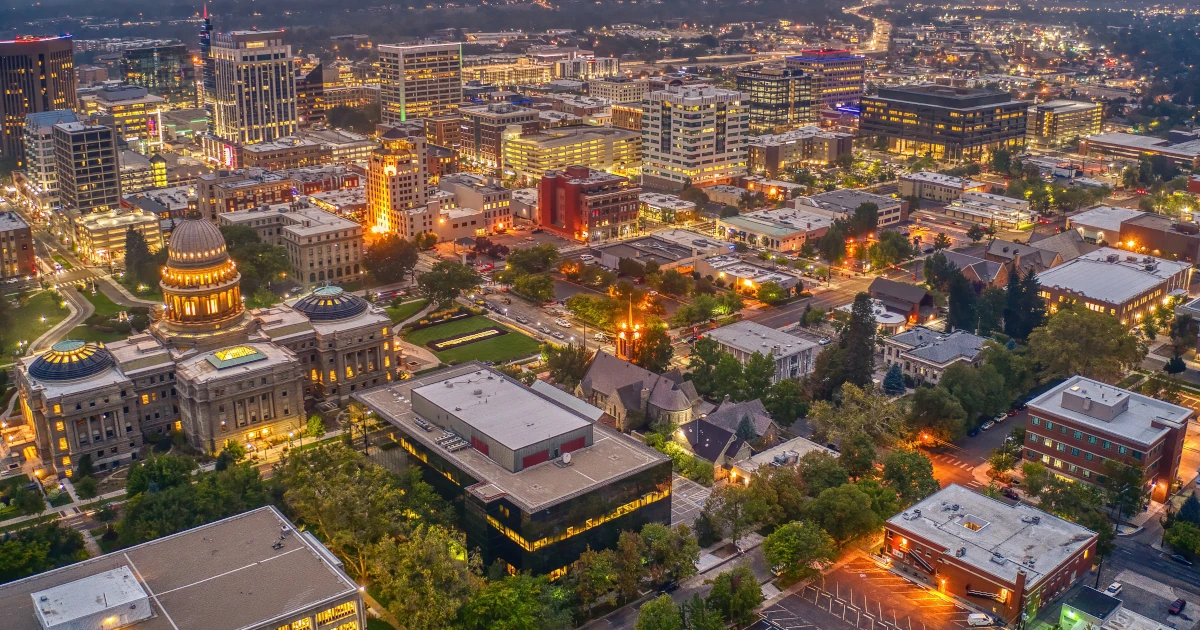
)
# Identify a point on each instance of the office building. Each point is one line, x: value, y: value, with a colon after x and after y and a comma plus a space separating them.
x: 1102, y: 224
x: 38, y: 75
x: 1054, y: 123
x: 1001, y: 558
x: 344, y: 147
x: 779, y: 230
x: 664, y: 208
x: 17, y: 257
x: 924, y: 354
x: 838, y: 76
x: 85, y: 158
x: 539, y: 479
x: 284, y: 153
x: 194, y: 580
x: 254, y: 93
x: 484, y: 128
x: 587, y: 205
x: 1131, y: 147
x: 776, y: 154
x: 37, y: 182
x: 352, y: 96
x: 166, y: 71
x: 694, y: 135
x: 133, y: 112
x: 747, y: 275
x: 229, y: 191
x: 481, y: 193
x: 1079, y: 424
x: 1125, y: 285
x: 619, y: 89
x: 793, y: 355
x: 627, y: 115
x: 321, y: 246
x: 945, y: 122
x: 444, y: 131
x: 421, y: 81
x: 842, y: 204
x: 523, y: 71
x: 938, y: 187
x: 989, y: 209
x: 618, y: 151
x: 101, y: 235
x: 780, y: 99
x: 396, y: 184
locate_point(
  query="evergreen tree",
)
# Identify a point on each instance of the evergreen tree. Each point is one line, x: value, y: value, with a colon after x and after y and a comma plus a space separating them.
x: 1012, y: 305
x: 1033, y: 309
x: 137, y: 256
x: 745, y: 429
x: 1190, y: 510
x: 893, y: 382
x: 858, y: 342
x: 962, y: 304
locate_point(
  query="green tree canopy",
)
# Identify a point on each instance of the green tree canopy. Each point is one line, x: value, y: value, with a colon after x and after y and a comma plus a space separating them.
x: 910, y: 475
x: 390, y: 258
x: 446, y: 280
x: 1081, y: 341
x: 799, y: 550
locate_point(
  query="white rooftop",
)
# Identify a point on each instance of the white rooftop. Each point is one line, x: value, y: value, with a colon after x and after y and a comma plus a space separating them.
x: 791, y: 450
x: 1104, y: 218
x: 794, y: 136
x: 1110, y: 275
x: 751, y: 337
x: 114, y: 594
x: 994, y: 537
x: 1111, y: 410
x: 662, y: 200
x: 930, y: 177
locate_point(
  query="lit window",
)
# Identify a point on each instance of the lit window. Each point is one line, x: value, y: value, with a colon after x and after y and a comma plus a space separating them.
x: 58, y: 426
x: 62, y: 444
x: 145, y: 399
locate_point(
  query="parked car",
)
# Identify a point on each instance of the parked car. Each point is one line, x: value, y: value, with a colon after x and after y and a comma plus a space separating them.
x: 1113, y: 589
x: 558, y: 335
x: 973, y: 432
x: 980, y: 620
x: 987, y: 425
x: 562, y: 322
x: 1176, y: 607
x: 545, y: 330
x: 825, y: 341
x: 1181, y: 560
x: 1000, y: 417
x: 1010, y: 493
x: 587, y: 257
x: 522, y: 320
x: 600, y: 337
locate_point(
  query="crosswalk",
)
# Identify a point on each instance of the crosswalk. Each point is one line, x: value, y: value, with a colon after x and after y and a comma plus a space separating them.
x: 951, y: 460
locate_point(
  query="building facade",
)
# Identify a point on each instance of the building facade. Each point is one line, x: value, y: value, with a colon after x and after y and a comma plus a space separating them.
x: 619, y: 89
x: 396, y: 183
x: 17, y: 257
x: 421, y: 81
x: 85, y: 158
x: 587, y: 205
x: 1054, y: 123
x: 166, y: 71
x: 38, y: 181
x: 254, y: 90
x: 484, y: 128
x: 232, y: 190
x: 838, y: 76
x: 793, y: 355
x: 780, y: 98
x: 776, y: 154
x: 38, y: 75
x: 938, y: 187
x: 1080, y: 424
x: 948, y: 123
x: 321, y: 246
x: 100, y: 236
x: 924, y: 354
x: 1125, y: 285
x: 694, y: 136
x: 618, y: 151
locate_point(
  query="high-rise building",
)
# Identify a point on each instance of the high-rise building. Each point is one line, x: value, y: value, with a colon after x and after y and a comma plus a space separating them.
x: 254, y: 93
x: 483, y: 129
x: 946, y: 122
x: 310, y: 96
x: 135, y: 115
x: 88, y: 171
x: 419, y: 81
x: 838, y: 76
x: 780, y: 98
x: 166, y: 71
x: 38, y: 181
x: 1054, y: 123
x: 618, y: 151
x: 587, y: 205
x: 694, y: 135
x: 207, y: 81
x: 396, y: 175
x: 619, y: 89
x: 37, y: 75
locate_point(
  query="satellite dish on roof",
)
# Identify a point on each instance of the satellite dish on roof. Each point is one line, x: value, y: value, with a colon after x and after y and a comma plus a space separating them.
x: 566, y: 458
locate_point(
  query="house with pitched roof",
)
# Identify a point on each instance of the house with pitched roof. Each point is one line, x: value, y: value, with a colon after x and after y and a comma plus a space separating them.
x: 634, y: 396
x: 909, y: 300
x: 924, y: 354
x: 713, y: 444
x: 981, y: 272
x: 728, y: 415
x: 1021, y: 256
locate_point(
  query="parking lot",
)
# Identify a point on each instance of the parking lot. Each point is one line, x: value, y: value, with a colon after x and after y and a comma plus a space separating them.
x: 861, y: 595
x: 687, y: 499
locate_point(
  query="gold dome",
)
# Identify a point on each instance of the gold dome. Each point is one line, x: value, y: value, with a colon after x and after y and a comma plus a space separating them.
x: 195, y: 244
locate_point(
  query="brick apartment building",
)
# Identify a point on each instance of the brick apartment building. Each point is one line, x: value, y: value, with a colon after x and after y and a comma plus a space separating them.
x: 587, y: 205
x: 1079, y: 424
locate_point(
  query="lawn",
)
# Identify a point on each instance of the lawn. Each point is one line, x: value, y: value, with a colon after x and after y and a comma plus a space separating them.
x: 406, y: 310
x: 378, y: 624
x: 25, y: 323
x: 104, y: 306
x: 62, y: 261
x: 514, y: 345
x: 87, y: 333
x: 144, y: 291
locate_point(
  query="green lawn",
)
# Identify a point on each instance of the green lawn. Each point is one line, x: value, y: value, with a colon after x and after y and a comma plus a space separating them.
x: 25, y: 323
x: 406, y: 310
x: 62, y: 261
x: 378, y: 624
x: 148, y: 292
x: 87, y: 333
x: 104, y: 306
x: 514, y: 345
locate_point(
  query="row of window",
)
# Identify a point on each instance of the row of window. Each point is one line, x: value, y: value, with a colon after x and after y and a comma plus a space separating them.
x: 1091, y: 439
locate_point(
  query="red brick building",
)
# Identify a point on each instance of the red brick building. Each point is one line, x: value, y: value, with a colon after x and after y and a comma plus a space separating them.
x: 587, y: 205
x: 16, y: 247
x: 1076, y: 426
x: 997, y: 557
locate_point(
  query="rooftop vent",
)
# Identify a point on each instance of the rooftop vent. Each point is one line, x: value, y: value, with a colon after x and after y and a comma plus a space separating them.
x: 960, y: 552
x: 998, y: 558
x: 1032, y: 520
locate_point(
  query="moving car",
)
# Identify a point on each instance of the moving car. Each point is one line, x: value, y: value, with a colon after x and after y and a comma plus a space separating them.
x: 562, y: 322
x: 1181, y: 560
x: 522, y: 320
x: 558, y: 335
x: 1176, y: 607
x: 587, y: 257
x: 1113, y: 589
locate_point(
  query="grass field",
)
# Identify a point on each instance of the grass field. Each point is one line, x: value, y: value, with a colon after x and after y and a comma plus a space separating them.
x: 406, y: 310
x: 25, y: 323
x: 87, y: 333
x: 514, y: 345
x: 104, y: 306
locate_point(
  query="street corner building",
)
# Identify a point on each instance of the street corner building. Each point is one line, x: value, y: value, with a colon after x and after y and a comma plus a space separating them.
x: 1006, y: 559
x: 535, y: 478
x: 1075, y: 427
x: 253, y: 571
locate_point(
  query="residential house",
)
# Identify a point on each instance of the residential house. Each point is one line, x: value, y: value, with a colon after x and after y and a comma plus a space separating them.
x: 924, y: 354
x: 1023, y: 257
x: 728, y: 415
x: 634, y: 396
x: 909, y: 300
x: 713, y: 444
x: 981, y: 272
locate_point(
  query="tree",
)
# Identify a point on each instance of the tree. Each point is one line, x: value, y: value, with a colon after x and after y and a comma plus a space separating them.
x: 593, y: 576
x: 858, y: 342
x: 1036, y: 477
x: 138, y: 260
x: 1183, y: 333
x: 670, y: 553
x: 427, y: 577
x: 446, y: 280
x: 675, y: 283
x: 799, y: 551
x: 158, y: 473
x: 694, y: 195
x: 990, y: 310
x: 1125, y: 487
x: 85, y: 487
x: 980, y: 390
x: 706, y: 355
x: 935, y: 413
x: 785, y: 402
x: 259, y: 263
x: 941, y: 241
x: 732, y: 509
x: 1001, y: 462
x: 567, y: 364
x: 535, y: 287
x: 659, y: 614
x: 629, y: 565
x: 833, y: 244
x: 892, y: 248
x: 843, y: 512
x: 778, y: 492
x: 1084, y: 342
x: 820, y: 471
x: 757, y: 375
x: 697, y: 615
x: 938, y: 271
x: 1033, y: 307
x: 1175, y: 365
x: 1012, y: 366
x: 858, y: 455
x: 893, y: 381
x: 770, y: 293
x: 1190, y: 510
x: 193, y: 501
x: 536, y: 259
x: 39, y: 548
x: 910, y: 474
x: 975, y: 233
x: 390, y: 258
x: 654, y: 352
x: 516, y: 602
x: 861, y: 410
x: 1184, y: 536
x: 315, y: 427
x: 735, y: 595
x: 864, y: 220
x: 962, y: 304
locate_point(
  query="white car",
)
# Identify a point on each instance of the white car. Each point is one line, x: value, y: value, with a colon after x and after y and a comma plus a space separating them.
x: 587, y: 257
x: 1113, y: 589
x: 558, y: 335
x: 562, y: 322
x: 653, y: 292
x: 977, y: 620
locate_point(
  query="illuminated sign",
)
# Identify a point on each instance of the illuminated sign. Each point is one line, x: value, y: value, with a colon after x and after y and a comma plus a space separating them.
x: 235, y: 353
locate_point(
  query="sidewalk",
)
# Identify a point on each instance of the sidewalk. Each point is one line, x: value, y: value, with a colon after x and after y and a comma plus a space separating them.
x: 75, y: 316
x: 64, y: 510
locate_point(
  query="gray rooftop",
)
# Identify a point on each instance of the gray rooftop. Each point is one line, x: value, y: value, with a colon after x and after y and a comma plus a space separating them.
x: 997, y: 539
x: 1112, y: 410
x: 938, y: 347
x: 1104, y: 218
x: 1096, y: 276
x: 846, y: 200
x: 611, y: 456
x: 220, y: 576
x: 751, y: 337
x: 11, y: 221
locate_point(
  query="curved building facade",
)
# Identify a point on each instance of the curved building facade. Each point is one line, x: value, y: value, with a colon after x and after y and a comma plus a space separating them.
x: 200, y: 285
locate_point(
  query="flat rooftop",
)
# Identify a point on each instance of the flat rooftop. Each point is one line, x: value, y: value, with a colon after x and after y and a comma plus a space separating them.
x: 612, y: 456
x: 795, y: 135
x: 996, y: 538
x: 1063, y: 106
x: 846, y: 200
x: 1111, y: 410
x: 930, y: 177
x: 1104, y: 218
x: 220, y: 576
x: 753, y: 337
x: 1093, y: 276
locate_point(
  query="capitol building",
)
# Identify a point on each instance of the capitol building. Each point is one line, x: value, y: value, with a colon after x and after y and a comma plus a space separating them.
x: 206, y: 366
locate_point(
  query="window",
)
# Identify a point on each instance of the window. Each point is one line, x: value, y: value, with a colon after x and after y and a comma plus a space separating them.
x: 1137, y: 455
x: 1075, y: 452
x: 1061, y: 447
x: 1049, y: 426
x: 1122, y: 450
x: 1079, y: 435
x: 1087, y: 456
x: 1036, y: 421
x: 57, y: 408
x: 145, y: 399
x: 1105, y: 444
x: 58, y: 426
x: 1091, y: 439
x: 62, y: 444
